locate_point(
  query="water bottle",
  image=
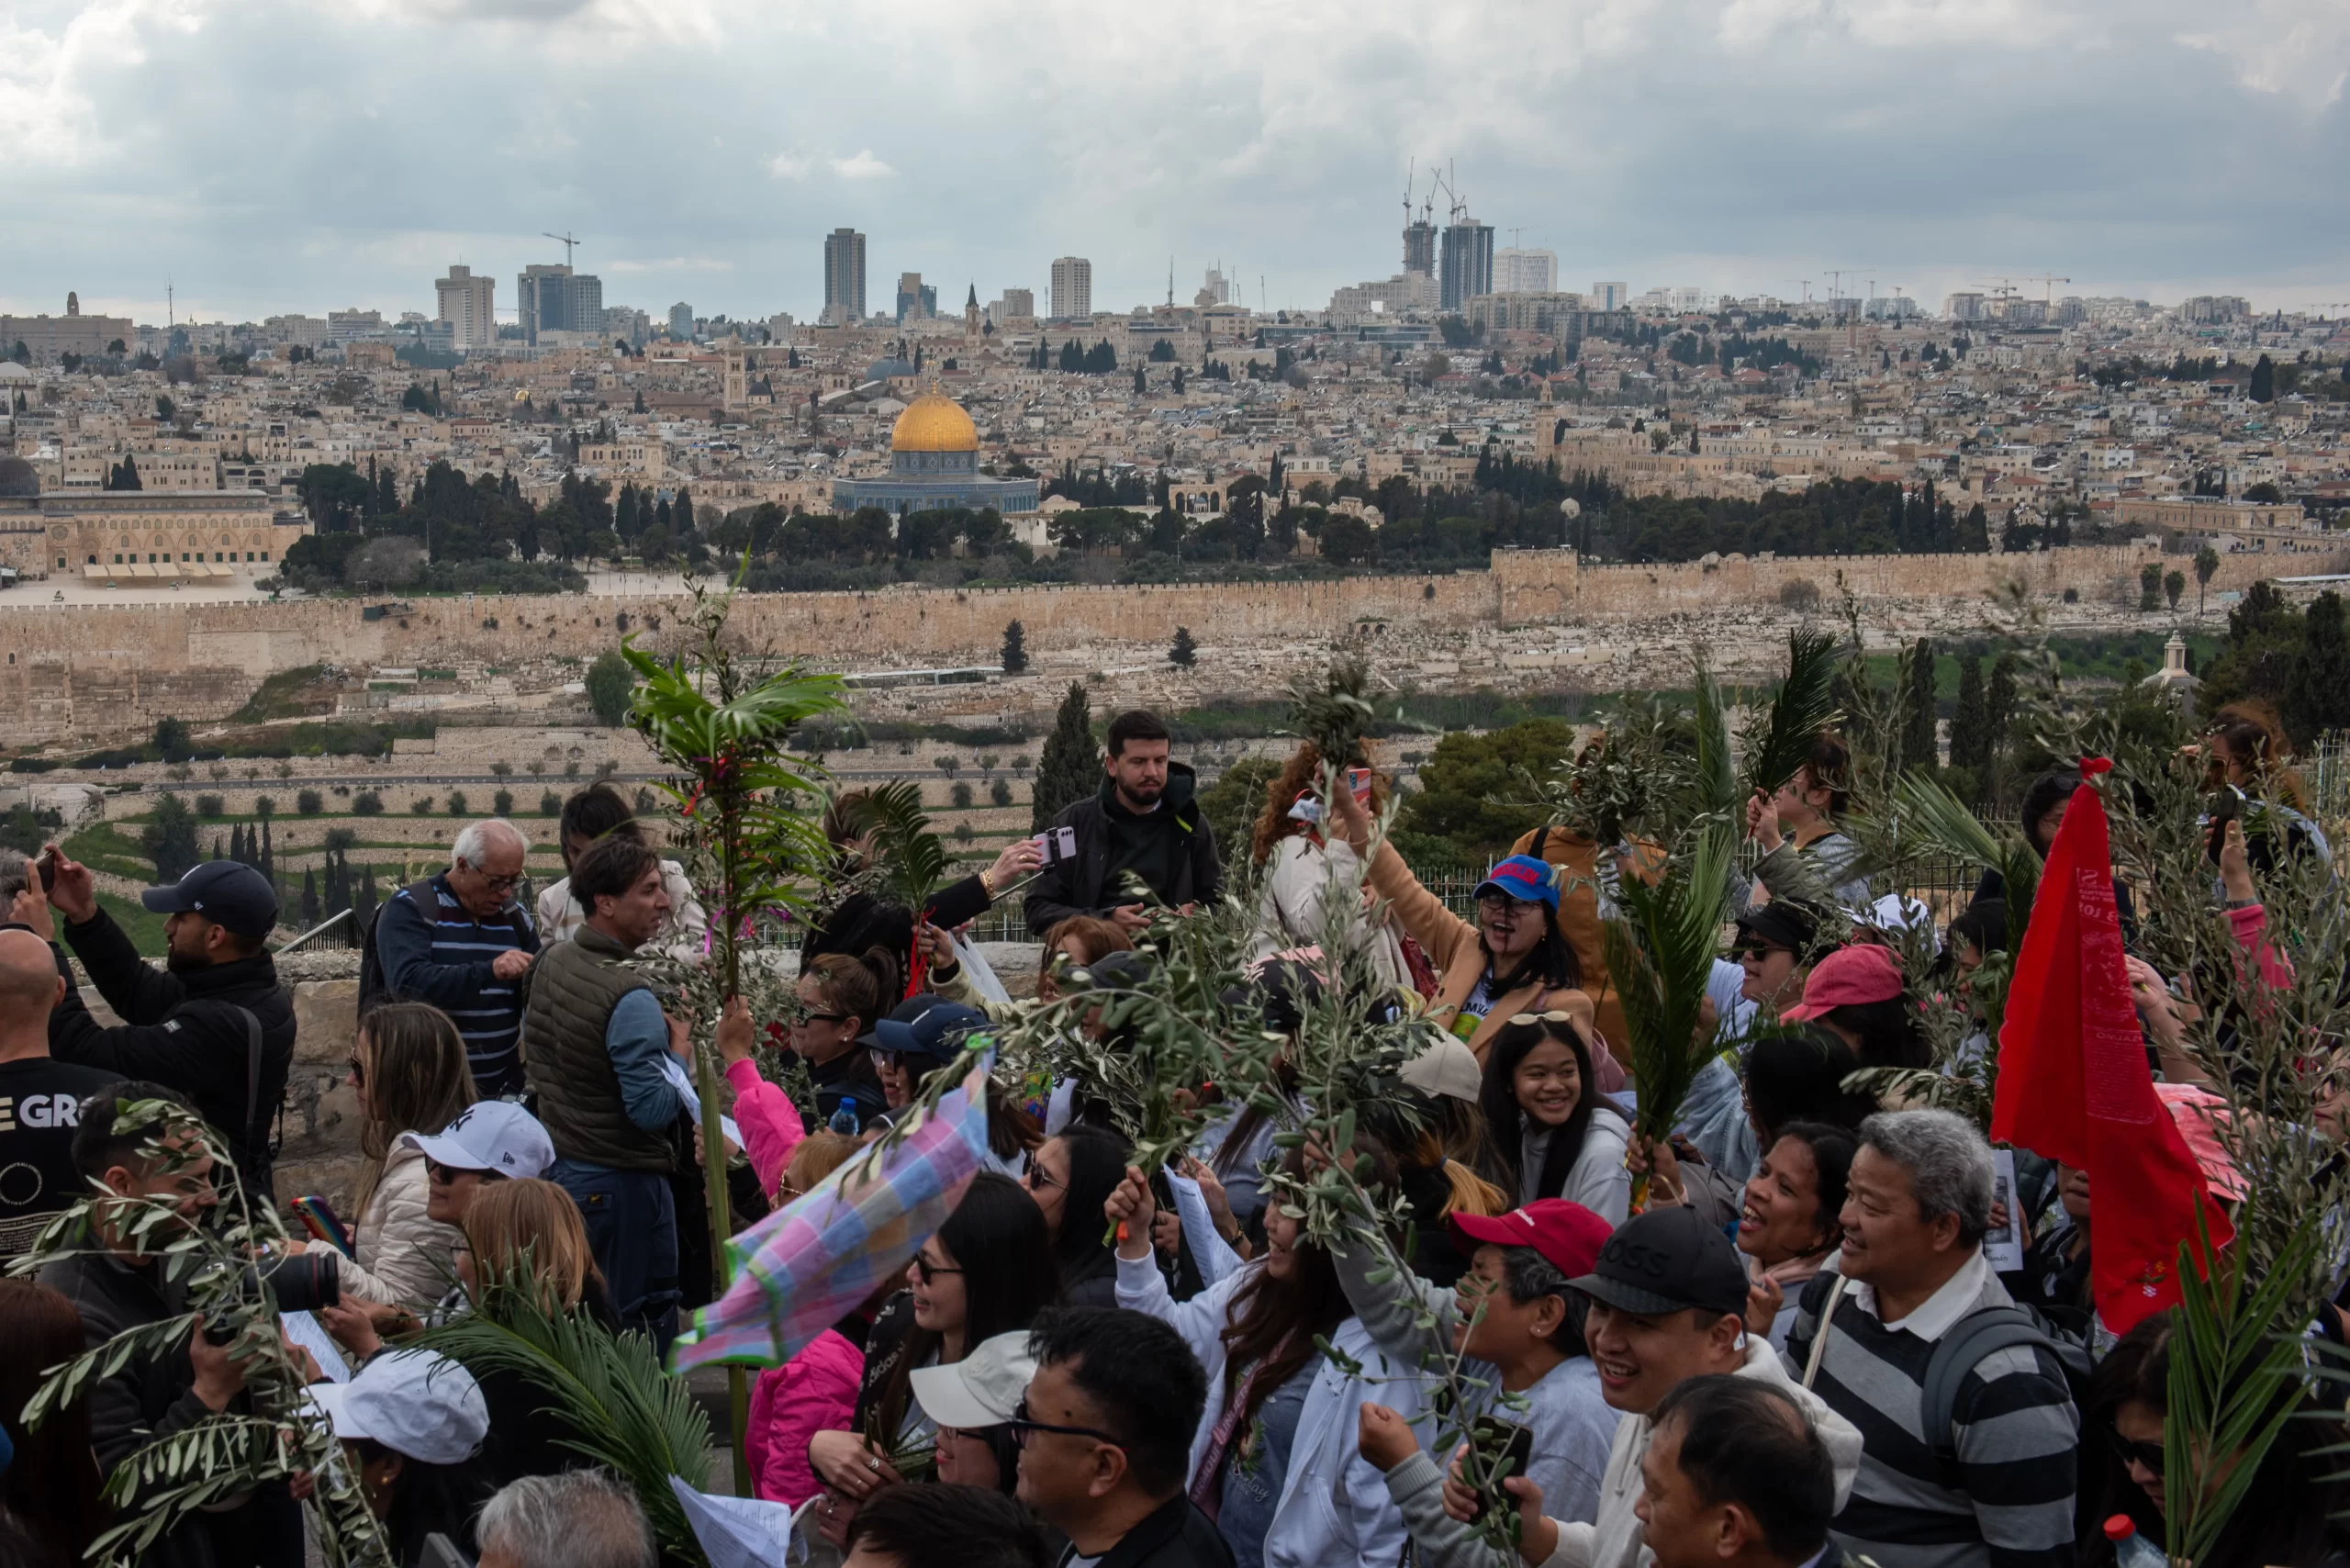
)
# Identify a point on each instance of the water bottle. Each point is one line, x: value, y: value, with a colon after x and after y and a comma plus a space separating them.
x: 843, y: 1120
x: 2132, y: 1550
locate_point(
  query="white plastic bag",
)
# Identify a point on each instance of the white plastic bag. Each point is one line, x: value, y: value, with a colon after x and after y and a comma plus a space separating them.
x: 979, y: 972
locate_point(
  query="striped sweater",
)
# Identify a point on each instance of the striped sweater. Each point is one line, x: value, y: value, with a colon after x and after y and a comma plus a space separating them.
x: 2007, y: 1502
x: 445, y: 957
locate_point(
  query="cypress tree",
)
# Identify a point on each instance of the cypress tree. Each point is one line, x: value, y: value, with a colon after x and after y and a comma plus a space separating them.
x: 1970, y: 727
x: 2317, y: 696
x: 1015, y: 649
x: 1070, y: 765
x: 268, y: 854
x: 365, y: 902
x: 310, y: 899
x: 1918, y: 712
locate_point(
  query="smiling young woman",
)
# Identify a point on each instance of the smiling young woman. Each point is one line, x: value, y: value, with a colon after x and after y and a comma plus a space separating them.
x: 1549, y: 1131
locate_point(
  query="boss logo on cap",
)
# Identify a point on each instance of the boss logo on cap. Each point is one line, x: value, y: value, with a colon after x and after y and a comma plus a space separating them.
x: 1635, y: 1257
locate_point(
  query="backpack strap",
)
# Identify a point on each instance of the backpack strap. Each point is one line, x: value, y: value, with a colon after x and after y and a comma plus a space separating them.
x: 1973, y: 1338
x: 1819, y: 1330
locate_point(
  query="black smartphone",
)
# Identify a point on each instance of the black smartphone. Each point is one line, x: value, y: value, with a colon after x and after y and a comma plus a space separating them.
x: 440, y: 1551
x: 47, y: 867
x: 1514, y: 1443
x: 2224, y: 807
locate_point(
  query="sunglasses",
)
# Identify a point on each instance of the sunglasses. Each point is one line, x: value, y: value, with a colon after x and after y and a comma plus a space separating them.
x: 1758, y: 951
x: 804, y: 1016
x: 1555, y: 1015
x: 1036, y: 1181
x: 447, y: 1175
x: 1022, y: 1428
x: 930, y: 1270
x: 2149, y: 1455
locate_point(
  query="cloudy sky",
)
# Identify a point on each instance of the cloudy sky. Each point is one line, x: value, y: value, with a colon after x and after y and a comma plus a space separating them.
x: 268, y: 155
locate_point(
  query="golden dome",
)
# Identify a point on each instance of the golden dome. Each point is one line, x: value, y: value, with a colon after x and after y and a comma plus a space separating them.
x: 935, y: 423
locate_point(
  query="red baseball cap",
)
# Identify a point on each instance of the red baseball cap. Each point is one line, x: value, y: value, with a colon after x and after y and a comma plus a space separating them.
x: 1568, y: 1236
x: 1848, y: 977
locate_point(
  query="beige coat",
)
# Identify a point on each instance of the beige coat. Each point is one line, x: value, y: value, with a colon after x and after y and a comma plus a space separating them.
x: 405, y: 1259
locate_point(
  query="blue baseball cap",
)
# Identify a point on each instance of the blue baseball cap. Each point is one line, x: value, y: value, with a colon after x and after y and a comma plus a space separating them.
x: 935, y: 1031
x: 229, y: 894
x: 1523, y: 878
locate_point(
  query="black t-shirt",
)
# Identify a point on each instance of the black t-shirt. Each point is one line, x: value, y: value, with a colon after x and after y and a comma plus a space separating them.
x: 40, y: 1102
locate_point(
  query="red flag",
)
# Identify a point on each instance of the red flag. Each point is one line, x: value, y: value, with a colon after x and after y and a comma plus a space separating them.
x: 2074, y: 1084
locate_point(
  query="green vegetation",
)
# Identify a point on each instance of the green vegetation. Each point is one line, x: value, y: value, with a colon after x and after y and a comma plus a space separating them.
x: 142, y: 925
x: 1071, y: 768
x: 609, y: 684
x: 1462, y: 811
x: 1232, y: 802
x: 286, y: 695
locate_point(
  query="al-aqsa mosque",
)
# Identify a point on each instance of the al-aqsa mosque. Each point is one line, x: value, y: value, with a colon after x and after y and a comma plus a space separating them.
x: 935, y: 465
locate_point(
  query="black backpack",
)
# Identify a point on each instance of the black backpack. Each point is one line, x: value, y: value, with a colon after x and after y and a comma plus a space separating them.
x: 1966, y: 1344
x: 372, y: 985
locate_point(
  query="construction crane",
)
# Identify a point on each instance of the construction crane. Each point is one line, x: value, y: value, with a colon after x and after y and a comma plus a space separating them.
x: 567, y: 243
x: 2048, y: 283
x: 1806, y: 284
x: 2003, y: 289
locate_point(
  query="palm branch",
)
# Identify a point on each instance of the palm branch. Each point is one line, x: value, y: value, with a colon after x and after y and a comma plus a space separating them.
x: 1659, y: 954
x: 909, y: 860
x: 2234, y: 1380
x: 1804, y: 705
x: 629, y: 1416
x: 1716, y: 778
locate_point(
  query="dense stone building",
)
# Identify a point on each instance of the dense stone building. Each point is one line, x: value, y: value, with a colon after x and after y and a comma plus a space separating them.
x: 125, y: 536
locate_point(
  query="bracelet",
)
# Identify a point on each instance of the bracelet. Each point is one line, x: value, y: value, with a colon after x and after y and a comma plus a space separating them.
x: 2241, y: 904
x: 987, y: 882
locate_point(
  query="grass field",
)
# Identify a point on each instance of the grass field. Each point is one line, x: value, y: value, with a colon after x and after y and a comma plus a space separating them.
x: 144, y: 928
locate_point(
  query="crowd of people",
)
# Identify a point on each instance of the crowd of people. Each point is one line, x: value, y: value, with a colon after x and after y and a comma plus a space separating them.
x: 1776, y: 1339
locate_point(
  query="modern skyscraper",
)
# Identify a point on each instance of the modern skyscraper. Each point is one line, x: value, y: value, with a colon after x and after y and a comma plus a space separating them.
x: 1524, y: 272
x: 1468, y: 262
x: 1072, y: 287
x: 844, y: 277
x: 681, y: 321
x: 467, y: 306
x: 915, y: 298
x: 1419, y: 247
x: 556, y: 299
x: 1610, y: 295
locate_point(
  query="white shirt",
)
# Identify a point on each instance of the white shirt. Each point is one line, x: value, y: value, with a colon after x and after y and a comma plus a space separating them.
x: 1958, y: 1296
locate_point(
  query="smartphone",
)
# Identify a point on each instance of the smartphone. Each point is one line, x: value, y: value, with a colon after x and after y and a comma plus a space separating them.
x: 1514, y: 1443
x: 440, y: 1551
x: 2224, y: 807
x: 47, y: 867
x: 1058, y: 843
x: 1358, y: 780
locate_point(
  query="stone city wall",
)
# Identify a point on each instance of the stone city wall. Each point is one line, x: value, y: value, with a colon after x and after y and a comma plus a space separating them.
x: 92, y: 672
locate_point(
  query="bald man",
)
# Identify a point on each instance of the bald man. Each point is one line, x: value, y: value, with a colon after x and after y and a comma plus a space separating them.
x: 40, y: 1100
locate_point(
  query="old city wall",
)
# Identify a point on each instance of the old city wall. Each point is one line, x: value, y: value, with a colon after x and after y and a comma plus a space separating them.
x: 89, y: 672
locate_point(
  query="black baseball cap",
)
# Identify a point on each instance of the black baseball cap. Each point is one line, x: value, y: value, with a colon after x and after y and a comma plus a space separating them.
x: 1782, y: 925
x: 933, y: 1030
x: 1667, y: 1260
x: 229, y: 894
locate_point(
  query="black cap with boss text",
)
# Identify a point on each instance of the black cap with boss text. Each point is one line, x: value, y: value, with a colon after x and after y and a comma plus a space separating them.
x: 1668, y: 1260
x: 229, y: 894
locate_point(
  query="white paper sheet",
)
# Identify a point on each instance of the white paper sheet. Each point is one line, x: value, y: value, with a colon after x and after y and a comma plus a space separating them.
x: 675, y: 1072
x: 738, y: 1532
x: 1211, y: 1252
x: 307, y: 1331
x: 2003, y: 1249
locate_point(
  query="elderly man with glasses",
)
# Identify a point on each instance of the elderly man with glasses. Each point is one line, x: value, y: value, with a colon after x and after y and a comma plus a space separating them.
x: 461, y: 941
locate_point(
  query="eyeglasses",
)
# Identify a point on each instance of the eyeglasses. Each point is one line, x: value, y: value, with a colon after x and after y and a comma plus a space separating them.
x: 1502, y: 903
x: 1021, y: 1427
x: 1036, y: 1179
x: 928, y: 1270
x: 498, y: 884
x: 1555, y: 1015
x: 2149, y: 1455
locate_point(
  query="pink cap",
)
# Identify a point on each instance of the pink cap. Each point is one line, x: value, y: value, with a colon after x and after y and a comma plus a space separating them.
x: 2196, y: 1113
x: 1849, y: 977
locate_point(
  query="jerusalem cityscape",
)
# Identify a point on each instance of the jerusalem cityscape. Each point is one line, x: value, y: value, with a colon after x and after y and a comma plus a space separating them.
x: 419, y: 468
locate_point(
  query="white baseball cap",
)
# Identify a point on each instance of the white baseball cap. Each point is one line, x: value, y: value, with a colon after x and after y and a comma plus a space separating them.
x: 496, y: 1135
x: 415, y: 1403
x: 1446, y: 1067
x: 981, y: 1390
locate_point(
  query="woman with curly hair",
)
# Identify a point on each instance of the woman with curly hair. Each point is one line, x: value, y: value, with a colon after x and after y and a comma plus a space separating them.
x: 1299, y: 866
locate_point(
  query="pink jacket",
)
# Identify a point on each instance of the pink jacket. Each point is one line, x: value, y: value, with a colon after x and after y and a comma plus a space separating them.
x: 813, y: 1391
x: 771, y: 1123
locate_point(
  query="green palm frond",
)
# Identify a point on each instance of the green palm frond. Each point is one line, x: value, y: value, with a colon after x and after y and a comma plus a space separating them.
x: 1660, y: 954
x: 1716, y: 778
x: 910, y: 861
x: 1804, y: 705
x: 1926, y: 816
x: 2234, y: 1381
x: 629, y: 1416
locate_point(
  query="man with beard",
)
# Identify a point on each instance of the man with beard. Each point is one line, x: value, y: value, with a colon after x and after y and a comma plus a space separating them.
x: 1145, y: 822
x: 212, y: 1025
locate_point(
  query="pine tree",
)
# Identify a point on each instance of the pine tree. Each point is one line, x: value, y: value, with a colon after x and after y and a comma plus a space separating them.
x: 1015, y: 649
x: 1185, y: 653
x: 2318, y: 697
x: 1918, y: 712
x: 2263, y: 380
x: 1070, y: 767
